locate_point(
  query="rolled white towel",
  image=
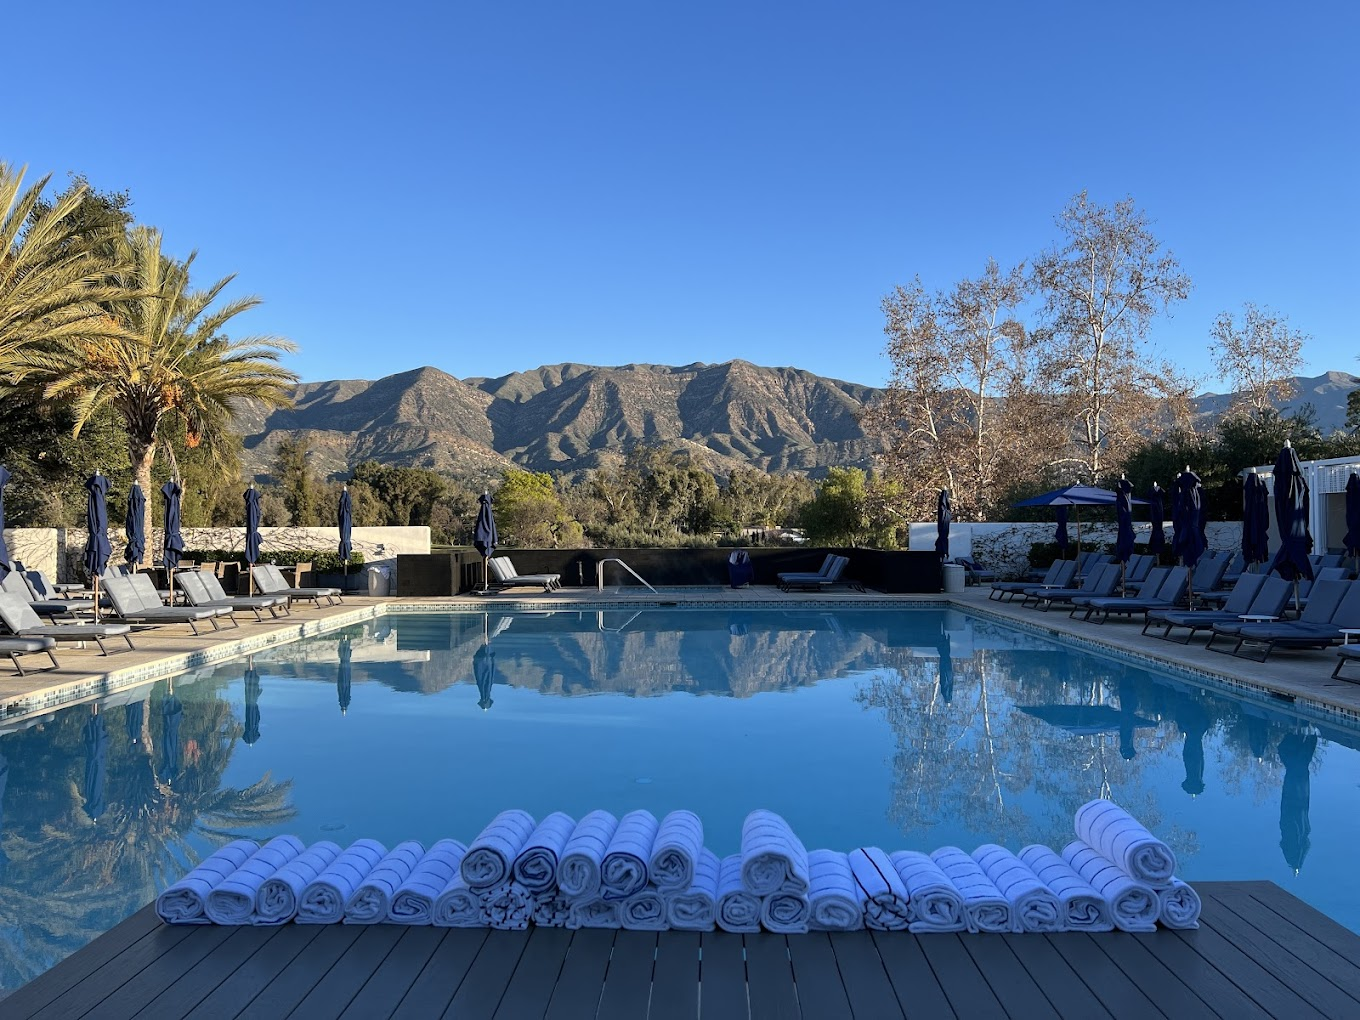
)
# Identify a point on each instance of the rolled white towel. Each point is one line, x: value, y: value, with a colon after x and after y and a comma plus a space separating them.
x: 679, y: 842
x: 413, y: 901
x: 578, y: 869
x: 984, y: 908
x: 1121, y: 838
x: 1180, y: 905
x: 233, y: 900
x: 550, y: 909
x: 886, y: 902
x: 324, y: 899
x: 738, y: 908
x: 785, y: 913
x: 458, y: 906
x: 185, y: 901
x: 281, y: 892
x: 645, y: 911
x: 1133, y: 904
x: 536, y: 866
x: 1034, y: 907
x: 1083, y: 907
x: 594, y: 912
x: 492, y: 854
x: 623, y: 871
x: 696, y: 909
x: 933, y: 904
x: 373, y: 898
x: 837, y: 903
x: 507, y: 907
x: 772, y: 856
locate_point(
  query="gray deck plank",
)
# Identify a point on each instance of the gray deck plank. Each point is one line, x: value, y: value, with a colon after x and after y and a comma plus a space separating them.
x: 770, y: 989
x: 199, y: 982
x: 1107, y: 982
x: 967, y: 990
x: 864, y: 975
x: 1199, y: 974
x: 1336, y: 937
x: 1060, y: 983
x: 577, y: 994
x: 628, y: 981
x: 532, y: 984
x: 246, y: 982
x: 675, y: 981
x: 821, y: 991
x: 1019, y: 994
x: 722, y: 977
x: 443, y: 972
x: 332, y: 995
x: 291, y: 985
x: 388, y: 984
x: 1167, y: 992
x: 1247, y: 973
x: 485, y: 983
x: 47, y: 986
x: 918, y: 991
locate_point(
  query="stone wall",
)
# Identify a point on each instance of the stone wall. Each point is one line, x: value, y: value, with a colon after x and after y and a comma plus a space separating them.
x: 35, y: 548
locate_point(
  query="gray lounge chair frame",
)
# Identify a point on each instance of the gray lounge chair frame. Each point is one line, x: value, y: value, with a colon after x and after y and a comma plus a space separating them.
x: 1345, y: 654
x: 136, y: 601
x: 1058, y: 575
x: 1239, y: 602
x: 13, y: 583
x: 199, y: 593
x: 1167, y: 596
x: 269, y: 579
x: 508, y: 577
x: 1098, y: 583
x: 821, y: 571
x: 18, y: 616
x: 1308, y: 633
x: 17, y: 646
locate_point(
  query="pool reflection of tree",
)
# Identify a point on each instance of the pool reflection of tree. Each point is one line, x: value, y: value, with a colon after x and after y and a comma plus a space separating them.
x: 70, y: 878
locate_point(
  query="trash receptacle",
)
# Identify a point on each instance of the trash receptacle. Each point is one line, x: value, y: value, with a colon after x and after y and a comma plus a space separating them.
x: 377, y: 581
x: 953, y: 578
x: 740, y: 570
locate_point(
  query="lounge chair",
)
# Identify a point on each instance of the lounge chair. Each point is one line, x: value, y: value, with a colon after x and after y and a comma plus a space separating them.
x: 1346, y: 653
x: 974, y: 573
x: 22, y: 622
x: 1209, y: 575
x: 269, y: 580
x: 508, y: 577
x: 135, y: 600
x: 1167, y: 596
x: 1254, y: 595
x: 17, y: 646
x: 1310, y: 630
x: 1099, y: 582
x: 199, y: 594
x: 1321, y: 561
x: 1058, y: 576
x: 1139, y: 566
x: 13, y: 583
x: 45, y: 589
x: 821, y: 571
x: 794, y: 582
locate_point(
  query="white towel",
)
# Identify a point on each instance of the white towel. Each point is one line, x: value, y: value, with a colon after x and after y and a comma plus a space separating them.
x: 679, y: 842
x: 550, y: 910
x: 1133, y: 904
x: 1034, y: 907
x: 785, y: 913
x: 933, y: 904
x: 458, y: 906
x: 324, y: 899
x: 578, y: 870
x: 536, y: 866
x: 594, y: 912
x: 373, y: 898
x: 886, y: 905
x: 490, y: 856
x: 984, y: 908
x: 185, y: 901
x: 1084, y: 909
x: 623, y: 871
x: 1180, y: 905
x: 645, y: 911
x: 835, y: 897
x: 281, y: 892
x: 772, y: 857
x: 507, y: 906
x: 233, y: 900
x: 696, y: 909
x: 413, y: 902
x: 1122, y: 838
x: 738, y: 908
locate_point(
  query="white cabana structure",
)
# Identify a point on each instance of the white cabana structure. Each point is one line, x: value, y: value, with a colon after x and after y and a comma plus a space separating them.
x: 1327, y: 485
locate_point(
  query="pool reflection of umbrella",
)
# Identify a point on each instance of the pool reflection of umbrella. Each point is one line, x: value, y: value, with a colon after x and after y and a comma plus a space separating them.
x: 96, y: 765
x: 946, y: 673
x: 1157, y: 515
x: 172, y: 713
x: 1258, y: 733
x: 343, y: 674
x: 97, y: 548
x: 1291, y: 518
x: 4, y: 781
x: 1296, y: 754
x: 4, y: 549
x: 252, y: 550
x: 944, y: 515
x: 1128, y: 718
x: 484, y: 535
x: 484, y: 672
x: 134, y: 526
x: 134, y: 718
x: 1086, y: 720
x: 252, y: 724
x: 1194, y: 724
x: 1351, y: 543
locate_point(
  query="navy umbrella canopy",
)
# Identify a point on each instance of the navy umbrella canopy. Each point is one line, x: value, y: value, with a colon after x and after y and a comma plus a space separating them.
x: 343, y: 674
x: 1188, y: 541
x: 1157, y: 514
x: 1292, y: 503
x: 252, y: 721
x: 1123, y: 546
x: 1351, y: 542
x: 484, y: 536
x: 1060, y: 532
x: 344, y: 516
x: 1296, y: 753
x: 134, y: 526
x: 944, y: 516
x: 173, y: 548
x: 1072, y: 495
x: 1253, y: 529
x: 4, y: 549
x: 96, y: 766
x: 97, y: 548
x: 252, y: 499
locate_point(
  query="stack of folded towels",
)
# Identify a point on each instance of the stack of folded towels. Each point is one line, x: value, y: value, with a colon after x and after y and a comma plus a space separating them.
x: 639, y: 873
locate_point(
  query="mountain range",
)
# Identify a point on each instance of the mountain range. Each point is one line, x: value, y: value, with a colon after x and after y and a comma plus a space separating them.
x: 570, y: 417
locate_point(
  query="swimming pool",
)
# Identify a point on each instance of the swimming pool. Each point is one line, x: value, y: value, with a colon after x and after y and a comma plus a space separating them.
x: 901, y: 728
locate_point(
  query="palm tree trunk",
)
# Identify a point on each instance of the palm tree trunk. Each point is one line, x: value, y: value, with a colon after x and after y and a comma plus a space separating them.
x: 142, y: 454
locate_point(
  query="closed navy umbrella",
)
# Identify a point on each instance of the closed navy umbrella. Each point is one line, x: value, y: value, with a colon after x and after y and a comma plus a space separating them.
x: 484, y: 534
x: 343, y: 675
x: 97, y: 548
x: 174, y: 541
x: 252, y: 535
x: 1296, y: 754
x: 1123, y: 545
x: 1351, y: 543
x: 1291, y: 518
x: 134, y: 526
x: 96, y: 766
x: 4, y: 549
x: 1157, y: 515
x: 1060, y: 532
x: 345, y: 519
x: 1253, y: 549
x: 252, y: 724
x: 944, y: 516
x: 1188, y: 541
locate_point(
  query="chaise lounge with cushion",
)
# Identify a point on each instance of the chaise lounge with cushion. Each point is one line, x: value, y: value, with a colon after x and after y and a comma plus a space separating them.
x: 198, y: 591
x: 16, y: 646
x: 22, y: 622
x: 1310, y: 630
x: 135, y: 600
x: 508, y: 577
x: 269, y: 580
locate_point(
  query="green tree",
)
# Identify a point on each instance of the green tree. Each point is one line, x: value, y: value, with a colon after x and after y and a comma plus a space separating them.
x: 838, y: 514
x: 529, y: 512
x: 298, y: 485
x: 1353, y: 410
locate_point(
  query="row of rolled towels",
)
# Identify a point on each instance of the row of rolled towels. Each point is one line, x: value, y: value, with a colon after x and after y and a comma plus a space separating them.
x: 636, y: 872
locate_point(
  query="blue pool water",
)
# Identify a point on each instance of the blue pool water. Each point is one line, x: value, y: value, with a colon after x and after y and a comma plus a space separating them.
x: 897, y: 728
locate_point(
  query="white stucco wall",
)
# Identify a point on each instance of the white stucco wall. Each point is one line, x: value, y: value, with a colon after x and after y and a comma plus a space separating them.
x: 36, y: 548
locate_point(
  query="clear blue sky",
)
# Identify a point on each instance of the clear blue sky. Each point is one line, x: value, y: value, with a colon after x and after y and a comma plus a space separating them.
x: 489, y: 187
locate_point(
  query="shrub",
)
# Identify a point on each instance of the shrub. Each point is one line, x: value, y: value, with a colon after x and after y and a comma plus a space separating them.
x: 323, y: 561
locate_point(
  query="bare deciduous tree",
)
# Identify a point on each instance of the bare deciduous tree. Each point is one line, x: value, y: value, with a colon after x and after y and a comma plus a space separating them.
x: 1258, y: 357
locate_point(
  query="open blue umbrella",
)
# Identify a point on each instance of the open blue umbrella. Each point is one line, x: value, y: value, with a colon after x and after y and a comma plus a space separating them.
x: 134, y: 526
x: 484, y: 533
x: 96, y: 766
x: 97, y: 548
x: 4, y: 549
x: 1123, y: 508
x: 1072, y: 495
x: 345, y: 518
x: 1291, y: 518
x: 1351, y: 543
x: 1060, y: 532
x: 1296, y: 754
x: 944, y: 516
x: 1157, y: 515
x: 252, y: 722
x: 252, y: 535
x: 343, y: 675
x: 172, y: 713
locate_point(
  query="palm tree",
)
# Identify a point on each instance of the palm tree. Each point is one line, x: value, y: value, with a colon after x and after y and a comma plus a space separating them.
x: 170, y: 362
x: 54, y: 270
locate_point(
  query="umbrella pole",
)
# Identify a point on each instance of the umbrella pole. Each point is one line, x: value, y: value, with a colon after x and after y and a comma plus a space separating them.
x: 1123, y: 576
x: 96, y: 598
x: 170, y: 584
x: 486, y: 583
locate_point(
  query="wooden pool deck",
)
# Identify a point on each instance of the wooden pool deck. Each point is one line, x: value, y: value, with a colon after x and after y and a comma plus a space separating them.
x: 1259, y: 953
